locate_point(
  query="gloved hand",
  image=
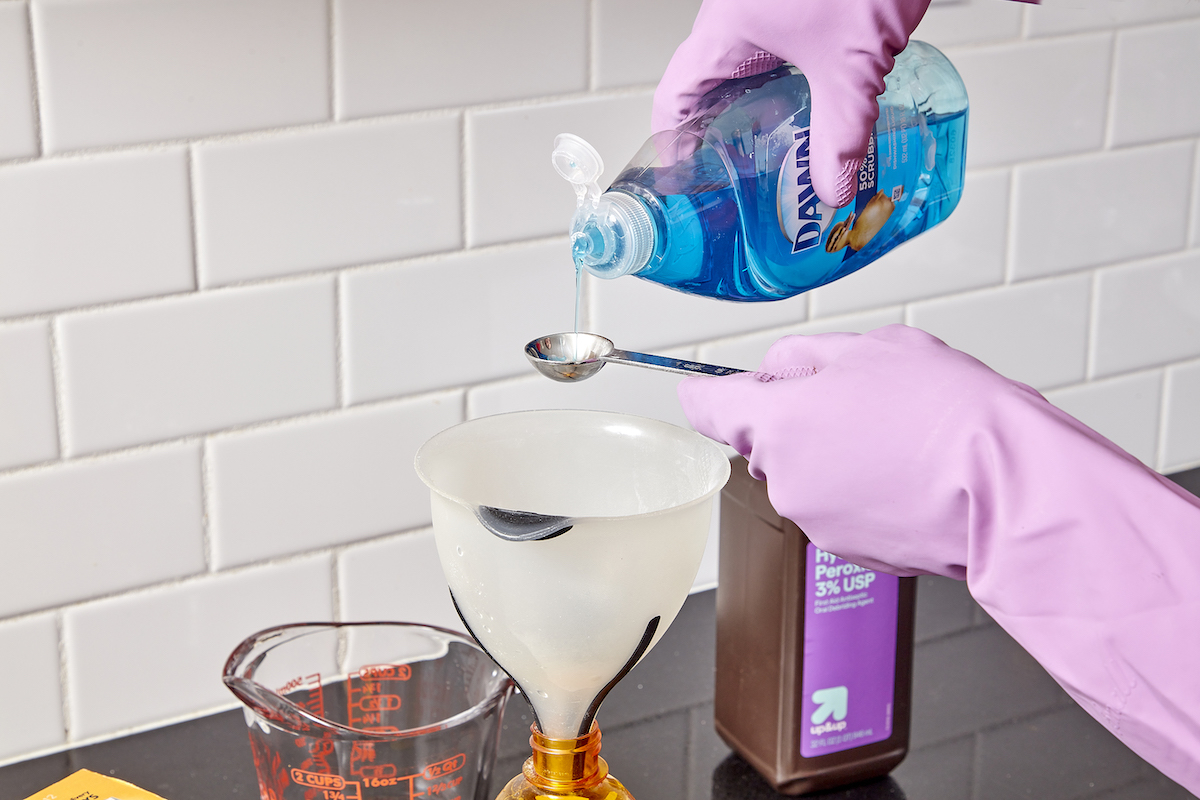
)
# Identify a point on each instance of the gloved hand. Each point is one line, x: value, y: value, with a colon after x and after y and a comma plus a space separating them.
x: 899, y: 453
x: 843, y: 47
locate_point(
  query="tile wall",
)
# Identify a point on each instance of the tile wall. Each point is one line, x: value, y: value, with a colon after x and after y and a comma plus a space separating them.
x: 238, y: 239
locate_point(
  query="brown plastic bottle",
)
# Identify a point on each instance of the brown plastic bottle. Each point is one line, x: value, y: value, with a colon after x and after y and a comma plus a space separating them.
x: 765, y: 581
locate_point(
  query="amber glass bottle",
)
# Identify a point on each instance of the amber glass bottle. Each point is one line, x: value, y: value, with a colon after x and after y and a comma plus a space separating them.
x: 814, y: 654
x: 565, y: 769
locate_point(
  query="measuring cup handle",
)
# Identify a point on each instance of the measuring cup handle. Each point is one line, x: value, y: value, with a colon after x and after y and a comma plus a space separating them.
x: 667, y: 364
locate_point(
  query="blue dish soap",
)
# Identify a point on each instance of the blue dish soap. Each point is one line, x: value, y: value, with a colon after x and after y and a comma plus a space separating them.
x: 724, y: 207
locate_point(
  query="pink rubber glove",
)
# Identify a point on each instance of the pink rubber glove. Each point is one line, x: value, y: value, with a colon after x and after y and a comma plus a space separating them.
x: 844, y: 48
x: 905, y: 455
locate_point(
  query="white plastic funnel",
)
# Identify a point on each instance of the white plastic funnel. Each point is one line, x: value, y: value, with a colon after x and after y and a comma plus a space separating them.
x: 570, y: 540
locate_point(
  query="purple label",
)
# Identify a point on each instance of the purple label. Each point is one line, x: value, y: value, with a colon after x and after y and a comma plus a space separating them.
x: 849, y: 654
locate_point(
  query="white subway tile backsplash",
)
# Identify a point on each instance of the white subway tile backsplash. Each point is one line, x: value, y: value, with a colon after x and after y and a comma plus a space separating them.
x: 1147, y: 314
x: 150, y: 656
x: 512, y: 190
x: 74, y: 531
x: 1156, y: 94
x: 1056, y: 17
x: 1100, y: 209
x: 404, y: 323
x: 405, y: 56
x: 629, y: 390
x: 1123, y: 410
x: 330, y: 197
x: 29, y: 691
x: 321, y: 482
x: 747, y: 352
x: 155, y: 371
x: 115, y: 72
x: 635, y: 40
x: 1194, y: 225
x: 1035, y: 99
x: 637, y: 314
x: 1183, y: 418
x: 18, y: 131
x: 971, y: 22
x: 28, y: 431
x: 80, y: 231
x: 399, y: 578
x: 964, y: 252
x: 1035, y: 332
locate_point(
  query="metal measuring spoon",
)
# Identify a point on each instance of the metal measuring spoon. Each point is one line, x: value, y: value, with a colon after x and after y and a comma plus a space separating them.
x: 575, y: 356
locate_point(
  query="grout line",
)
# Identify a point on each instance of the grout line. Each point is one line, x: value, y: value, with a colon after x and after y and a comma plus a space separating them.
x: 1025, y: 23
x: 339, y: 344
x: 206, y: 501
x: 464, y: 182
x: 34, y: 87
x: 326, y: 125
x: 1089, y: 359
x: 193, y: 214
x: 58, y: 378
x: 973, y: 784
x: 591, y: 53
x: 1164, y: 410
x: 1110, y: 111
x: 63, y: 676
x: 259, y: 425
x: 331, y: 23
x: 1010, y: 229
x: 1193, y: 226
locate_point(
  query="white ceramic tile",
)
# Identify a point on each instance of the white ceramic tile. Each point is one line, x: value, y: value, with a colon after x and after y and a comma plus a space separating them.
x: 1034, y: 332
x: 399, y: 578
x: 121, y: 71
x: 154, y: 371
x: 324, y: 198
x: 629, y: 390
x: 964, y: 252
x: 146, y: 657
x: 27, y: 422
x: 1182, y: 445
x: 1147, y: 314
x: 972, y: 22
x: 1035, y: 99
x: 1124, y: 410
x: 1154, y: 97
x: 404, y: 324
x: 634, y: 40
x: 80, y: 231
x: 405, y: 56
x: 747, y: 352
x: 512, y: 190
x: 30, y: 690
x: 639, y: 315
x: 1055, y: 17
x: 18, y: 134
x: 322, y: 482
x: 74, y: 531
x: 1100, y: 209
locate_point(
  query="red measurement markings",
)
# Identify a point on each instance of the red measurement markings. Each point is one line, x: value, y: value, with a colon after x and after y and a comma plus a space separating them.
x: 385, y: 672
x: 442, y: 768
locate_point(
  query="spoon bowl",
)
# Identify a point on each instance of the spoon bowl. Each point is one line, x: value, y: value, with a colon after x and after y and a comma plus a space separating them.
x: 570, y: 357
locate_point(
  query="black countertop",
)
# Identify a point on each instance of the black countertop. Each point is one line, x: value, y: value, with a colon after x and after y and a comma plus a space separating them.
x: 987, y: 723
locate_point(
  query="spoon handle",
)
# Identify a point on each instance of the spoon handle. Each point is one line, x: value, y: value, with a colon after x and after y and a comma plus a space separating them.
x: 667, y: 364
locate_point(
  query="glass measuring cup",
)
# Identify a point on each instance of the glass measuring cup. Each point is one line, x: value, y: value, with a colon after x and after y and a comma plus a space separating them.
x: 371, y: 710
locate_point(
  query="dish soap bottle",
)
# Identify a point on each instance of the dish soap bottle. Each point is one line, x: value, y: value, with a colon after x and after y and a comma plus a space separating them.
x: 724, y: 206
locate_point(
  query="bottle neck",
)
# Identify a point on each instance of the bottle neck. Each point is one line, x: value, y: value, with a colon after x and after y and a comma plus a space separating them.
x: 614, y: 237
x: 564, y: 765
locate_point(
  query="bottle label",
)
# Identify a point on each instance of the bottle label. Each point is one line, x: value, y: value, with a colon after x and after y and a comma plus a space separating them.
x: 831, y: 236
x: 850, y: 619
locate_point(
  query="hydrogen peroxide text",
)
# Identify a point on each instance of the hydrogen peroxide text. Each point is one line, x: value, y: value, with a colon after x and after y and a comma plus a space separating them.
x: 725, y: 206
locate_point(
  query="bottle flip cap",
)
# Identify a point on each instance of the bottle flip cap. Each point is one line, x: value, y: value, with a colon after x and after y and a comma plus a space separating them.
x: 579, y: 163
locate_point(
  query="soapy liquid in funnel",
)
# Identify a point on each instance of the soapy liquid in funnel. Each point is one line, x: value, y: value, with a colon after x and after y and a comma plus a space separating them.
x: 570, y: 540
